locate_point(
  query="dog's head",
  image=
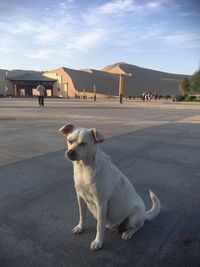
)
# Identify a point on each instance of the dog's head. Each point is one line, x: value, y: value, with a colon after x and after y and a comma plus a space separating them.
x: 81, y: 142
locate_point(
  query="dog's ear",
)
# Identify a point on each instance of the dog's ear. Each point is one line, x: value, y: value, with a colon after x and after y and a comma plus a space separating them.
x: 66, y: 129
x: 97, y: 136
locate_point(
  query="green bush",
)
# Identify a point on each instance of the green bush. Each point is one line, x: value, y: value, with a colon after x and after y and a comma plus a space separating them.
x: 188, y: 98
x: 180, y: 97
x: 191, y: 98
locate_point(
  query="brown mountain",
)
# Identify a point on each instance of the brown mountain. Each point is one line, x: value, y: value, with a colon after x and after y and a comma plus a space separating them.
x: 147, y: 80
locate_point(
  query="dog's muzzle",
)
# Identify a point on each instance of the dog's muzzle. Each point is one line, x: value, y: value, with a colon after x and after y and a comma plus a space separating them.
x: 71, y: 154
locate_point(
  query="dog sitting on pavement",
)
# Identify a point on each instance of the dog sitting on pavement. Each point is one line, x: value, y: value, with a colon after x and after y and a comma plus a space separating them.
x: 103, y: 188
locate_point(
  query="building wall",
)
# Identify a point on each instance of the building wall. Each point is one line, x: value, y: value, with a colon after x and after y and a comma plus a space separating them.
x: 57, y: 85
x: 66, y: 85
x: 63, y: 87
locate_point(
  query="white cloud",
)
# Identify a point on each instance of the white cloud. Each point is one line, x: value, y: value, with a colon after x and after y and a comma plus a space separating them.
x: 6, y: 45
x: 66, y: 5
x: 20, y: 27
x: 152, y: 5
x: 44, y: 53
x: 85, y: 40
x: 117, y: 6
x: 183, y: 38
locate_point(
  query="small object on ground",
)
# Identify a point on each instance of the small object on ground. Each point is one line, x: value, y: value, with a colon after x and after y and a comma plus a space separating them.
x: 186, y: 239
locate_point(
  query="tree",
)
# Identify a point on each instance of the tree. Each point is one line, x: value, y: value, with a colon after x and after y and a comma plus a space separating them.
x: 195, y: 81
x: 184, y: 86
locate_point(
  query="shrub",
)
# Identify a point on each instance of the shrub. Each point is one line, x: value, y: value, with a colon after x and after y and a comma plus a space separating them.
x: 191, y: 98
x: 180, y: 97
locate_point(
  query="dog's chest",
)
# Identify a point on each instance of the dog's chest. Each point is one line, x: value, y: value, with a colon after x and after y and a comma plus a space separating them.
x: 82, y: 174
x: 86, y: 194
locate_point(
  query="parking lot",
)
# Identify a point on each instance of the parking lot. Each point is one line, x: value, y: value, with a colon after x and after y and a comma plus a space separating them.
x: 156, y: 144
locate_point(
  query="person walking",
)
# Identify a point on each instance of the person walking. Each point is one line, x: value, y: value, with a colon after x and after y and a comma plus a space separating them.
x: 41, y: 93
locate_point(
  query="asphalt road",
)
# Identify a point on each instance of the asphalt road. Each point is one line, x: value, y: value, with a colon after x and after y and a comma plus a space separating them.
x: 157, y: 145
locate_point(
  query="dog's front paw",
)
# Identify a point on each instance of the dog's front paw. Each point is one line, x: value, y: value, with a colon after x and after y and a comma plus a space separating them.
x: 95, y: 245
x: 78, y: 229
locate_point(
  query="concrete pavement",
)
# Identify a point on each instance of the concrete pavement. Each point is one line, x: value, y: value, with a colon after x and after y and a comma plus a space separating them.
x: 155, y: 144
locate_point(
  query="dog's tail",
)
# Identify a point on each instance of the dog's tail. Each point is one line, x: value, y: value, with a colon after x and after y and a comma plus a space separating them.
x: 154, y: 211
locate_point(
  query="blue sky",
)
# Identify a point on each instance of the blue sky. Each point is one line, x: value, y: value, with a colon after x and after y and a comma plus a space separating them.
x: 47, y: 34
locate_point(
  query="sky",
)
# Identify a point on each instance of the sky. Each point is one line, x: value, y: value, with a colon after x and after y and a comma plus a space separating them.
x: 47, y: 34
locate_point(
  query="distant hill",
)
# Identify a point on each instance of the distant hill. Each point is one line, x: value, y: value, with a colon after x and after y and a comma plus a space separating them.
x: 143, y: 79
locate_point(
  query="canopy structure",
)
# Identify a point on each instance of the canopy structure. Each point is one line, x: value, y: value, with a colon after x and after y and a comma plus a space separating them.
x: 26, y: 84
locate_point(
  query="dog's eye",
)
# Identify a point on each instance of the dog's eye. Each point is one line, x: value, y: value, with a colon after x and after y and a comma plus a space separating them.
x: 82, y: 144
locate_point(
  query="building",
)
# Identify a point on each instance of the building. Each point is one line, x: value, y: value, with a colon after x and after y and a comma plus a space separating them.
x: 25, y: 84
x: 80, y: 83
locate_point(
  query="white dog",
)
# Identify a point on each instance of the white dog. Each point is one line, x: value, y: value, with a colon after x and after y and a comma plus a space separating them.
x: 103, y: 188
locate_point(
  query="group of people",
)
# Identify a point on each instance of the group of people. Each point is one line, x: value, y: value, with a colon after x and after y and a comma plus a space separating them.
x: 149, y: 96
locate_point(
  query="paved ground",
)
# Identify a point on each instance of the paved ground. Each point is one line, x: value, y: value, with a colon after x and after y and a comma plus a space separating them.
x: 155, y: 144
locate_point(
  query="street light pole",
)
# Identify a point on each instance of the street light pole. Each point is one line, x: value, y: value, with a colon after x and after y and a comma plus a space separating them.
x: 121, y: 77
x: 94, y: 90
x: 66, y: 90
x: 121, y: 84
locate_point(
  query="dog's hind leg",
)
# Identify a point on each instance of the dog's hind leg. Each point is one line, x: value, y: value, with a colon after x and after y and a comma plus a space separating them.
x: 129, y: 233
x: 133, y: 223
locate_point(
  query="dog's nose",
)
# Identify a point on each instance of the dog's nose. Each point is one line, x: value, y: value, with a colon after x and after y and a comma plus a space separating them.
x: 71, y: 154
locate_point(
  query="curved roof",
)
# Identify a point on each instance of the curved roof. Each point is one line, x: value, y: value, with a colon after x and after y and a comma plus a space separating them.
x: 30, y: 76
